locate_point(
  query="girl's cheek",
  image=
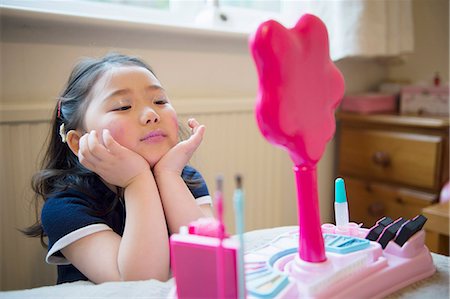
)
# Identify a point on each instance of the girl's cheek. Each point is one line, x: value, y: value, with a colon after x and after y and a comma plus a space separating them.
x: 175, y: 129
x: 118, y: 131
x: 175, y: 122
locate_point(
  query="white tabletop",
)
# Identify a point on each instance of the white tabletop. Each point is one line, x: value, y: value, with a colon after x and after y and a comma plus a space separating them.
x: 436, y: 286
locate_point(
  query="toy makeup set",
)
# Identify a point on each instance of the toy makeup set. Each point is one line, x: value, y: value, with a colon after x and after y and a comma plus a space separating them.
x: 367, y: 263
x: 299, y: 90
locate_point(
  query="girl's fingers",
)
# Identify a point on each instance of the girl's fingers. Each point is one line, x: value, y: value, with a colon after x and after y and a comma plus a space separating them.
x: 193, y: 124
x: 83, y: 150
x: 197, y: 137
x: 111, y: 145
x: 84, y: 155
x: 200, y: 131
x: 85, y: 162
x: 96, y: 148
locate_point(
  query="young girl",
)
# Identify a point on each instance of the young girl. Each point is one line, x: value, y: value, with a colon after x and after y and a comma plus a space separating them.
x: 114, y: 179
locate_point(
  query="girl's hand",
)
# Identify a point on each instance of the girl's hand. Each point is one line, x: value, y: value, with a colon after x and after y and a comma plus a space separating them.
x: 178, y: 156
x: 116, y: 164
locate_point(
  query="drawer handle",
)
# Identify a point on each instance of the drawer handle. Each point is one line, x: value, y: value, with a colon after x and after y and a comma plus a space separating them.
x: 399, y: 200
x: 381, y: 159
x: 376, y: 209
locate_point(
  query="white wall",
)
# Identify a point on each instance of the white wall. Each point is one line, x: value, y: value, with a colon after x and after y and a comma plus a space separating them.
x: 431, y: 44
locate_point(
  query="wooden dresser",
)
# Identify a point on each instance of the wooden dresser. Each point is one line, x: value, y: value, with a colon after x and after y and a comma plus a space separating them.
x: 437, y: 227
x: 392, y: 165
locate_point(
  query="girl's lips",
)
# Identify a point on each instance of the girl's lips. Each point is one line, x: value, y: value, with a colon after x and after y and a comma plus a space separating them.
x: 154, y: 136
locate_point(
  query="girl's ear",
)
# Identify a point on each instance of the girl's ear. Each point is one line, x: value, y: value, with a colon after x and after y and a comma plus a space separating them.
x: 73, y: 141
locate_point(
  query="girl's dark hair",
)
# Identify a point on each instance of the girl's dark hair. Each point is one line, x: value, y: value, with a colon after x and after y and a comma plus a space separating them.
x: 61, y: 169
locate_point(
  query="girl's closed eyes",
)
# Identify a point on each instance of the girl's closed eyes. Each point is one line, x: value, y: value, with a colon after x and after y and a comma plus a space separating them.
x: 120, y: 105
x: 125, y: 104
x: 122, y: 108
x: 162, y: 101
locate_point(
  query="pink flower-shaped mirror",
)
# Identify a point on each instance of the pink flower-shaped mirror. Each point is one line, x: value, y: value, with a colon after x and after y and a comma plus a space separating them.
x: 299, y: 90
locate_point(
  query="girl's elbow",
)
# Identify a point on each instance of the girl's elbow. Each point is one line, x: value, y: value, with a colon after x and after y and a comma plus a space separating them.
x: 134, y: 276
x: 163, y: 276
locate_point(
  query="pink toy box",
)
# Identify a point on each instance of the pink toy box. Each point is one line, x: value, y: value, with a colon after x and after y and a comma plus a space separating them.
x: 196, y: 268
x: 369, y: 103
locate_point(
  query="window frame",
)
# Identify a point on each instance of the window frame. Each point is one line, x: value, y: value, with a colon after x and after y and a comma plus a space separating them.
x: 177, y: 18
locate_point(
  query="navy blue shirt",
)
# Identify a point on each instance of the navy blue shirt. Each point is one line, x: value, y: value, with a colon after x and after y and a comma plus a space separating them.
x: 71, y: 215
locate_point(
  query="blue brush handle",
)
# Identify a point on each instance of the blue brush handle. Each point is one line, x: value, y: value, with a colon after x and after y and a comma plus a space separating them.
x: 239, y: 217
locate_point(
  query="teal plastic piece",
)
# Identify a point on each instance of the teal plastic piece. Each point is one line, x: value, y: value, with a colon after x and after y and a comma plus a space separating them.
x: 267, y: 286
x: 339, y: 189
x: 344, y: 244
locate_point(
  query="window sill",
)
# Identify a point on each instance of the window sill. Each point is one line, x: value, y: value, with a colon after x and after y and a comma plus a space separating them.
x: 148, y: 20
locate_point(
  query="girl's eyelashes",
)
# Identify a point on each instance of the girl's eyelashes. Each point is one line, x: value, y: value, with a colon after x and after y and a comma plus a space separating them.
x: 124, y: 105
x: 122, y: 108
x: 121, y: 105
x: 160, y: 101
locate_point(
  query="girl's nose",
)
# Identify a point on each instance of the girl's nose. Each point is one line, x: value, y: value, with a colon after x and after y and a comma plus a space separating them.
x: 150, y: 116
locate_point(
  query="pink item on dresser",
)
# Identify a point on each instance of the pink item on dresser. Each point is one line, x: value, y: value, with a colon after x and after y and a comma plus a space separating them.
x: 369, y: 103
x: 425, y: 100
x: 445, y: 193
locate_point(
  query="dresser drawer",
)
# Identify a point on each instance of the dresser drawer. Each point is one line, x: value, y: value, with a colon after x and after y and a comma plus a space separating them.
x: 369, y: 202
x: 405, y: 158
